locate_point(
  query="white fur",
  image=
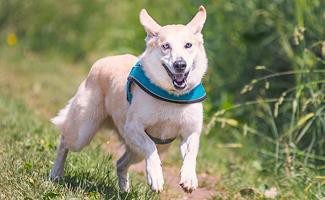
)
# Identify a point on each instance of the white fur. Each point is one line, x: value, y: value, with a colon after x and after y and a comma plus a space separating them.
x: 102, y: 97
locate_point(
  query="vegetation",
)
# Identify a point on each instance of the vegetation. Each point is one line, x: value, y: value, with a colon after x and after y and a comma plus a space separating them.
x: 265, y: 116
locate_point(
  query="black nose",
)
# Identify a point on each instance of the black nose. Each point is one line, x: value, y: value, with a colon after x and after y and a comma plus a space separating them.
x: 179, y: 65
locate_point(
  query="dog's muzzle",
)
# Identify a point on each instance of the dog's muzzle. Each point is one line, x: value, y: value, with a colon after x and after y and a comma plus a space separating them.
x: 179, y: 79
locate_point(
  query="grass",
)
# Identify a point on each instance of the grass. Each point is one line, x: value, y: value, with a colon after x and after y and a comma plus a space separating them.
x: 243, y: 167
x: 27, y: 149
x: 33, y: 88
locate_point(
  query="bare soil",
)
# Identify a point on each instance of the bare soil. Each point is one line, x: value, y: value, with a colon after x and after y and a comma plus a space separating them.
x: 172, y: 188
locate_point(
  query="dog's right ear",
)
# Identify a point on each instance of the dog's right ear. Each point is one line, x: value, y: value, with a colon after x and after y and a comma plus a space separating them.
x: 197, y: 23
x: 149, y: 24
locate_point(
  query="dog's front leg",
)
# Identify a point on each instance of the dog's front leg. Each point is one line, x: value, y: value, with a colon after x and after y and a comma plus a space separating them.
x: 137, y: 140
x: 189, y: 149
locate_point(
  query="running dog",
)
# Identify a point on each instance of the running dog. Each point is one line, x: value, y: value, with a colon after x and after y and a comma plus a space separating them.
x: 150, y: 100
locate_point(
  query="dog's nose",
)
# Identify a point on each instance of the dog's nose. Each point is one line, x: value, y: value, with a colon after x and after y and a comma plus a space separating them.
x: 179, y: 65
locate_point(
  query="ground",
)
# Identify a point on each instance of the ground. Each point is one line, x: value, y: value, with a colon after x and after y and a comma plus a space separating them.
x: 206, y: 189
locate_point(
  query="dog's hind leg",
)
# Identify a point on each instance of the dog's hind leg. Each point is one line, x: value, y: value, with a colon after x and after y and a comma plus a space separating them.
x: 82, y: 117
x: 57, y: 171
x: 78, y: 122
x: 122, y: 167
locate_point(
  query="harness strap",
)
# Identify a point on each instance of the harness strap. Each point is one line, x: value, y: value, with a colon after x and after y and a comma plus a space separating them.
x: 161, y: 141
x: 138, y: 76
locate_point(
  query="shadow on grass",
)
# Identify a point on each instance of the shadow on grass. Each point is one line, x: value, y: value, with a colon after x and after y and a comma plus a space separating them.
x: 97, y: 180
x: 93, y: 185
x: 99, y: 185
x: 88, y: 183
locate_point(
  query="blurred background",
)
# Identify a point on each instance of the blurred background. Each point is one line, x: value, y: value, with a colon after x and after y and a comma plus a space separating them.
x: 265, y: 113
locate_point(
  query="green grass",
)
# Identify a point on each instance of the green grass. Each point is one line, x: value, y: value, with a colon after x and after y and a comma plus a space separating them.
x: 28, y: 141
x: 27, y: 149
x: 241, y: 167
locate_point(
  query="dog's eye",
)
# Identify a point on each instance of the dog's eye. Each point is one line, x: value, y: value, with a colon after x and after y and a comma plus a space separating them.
x: 165, y: 46
x: 188, y: 45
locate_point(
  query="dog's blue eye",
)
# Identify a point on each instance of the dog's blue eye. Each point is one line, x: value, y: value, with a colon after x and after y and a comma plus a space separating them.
x: 165, y: 46
x: 188, y: 45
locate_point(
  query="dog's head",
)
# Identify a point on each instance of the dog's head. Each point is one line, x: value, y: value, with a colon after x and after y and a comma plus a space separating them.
x: 175, y: 58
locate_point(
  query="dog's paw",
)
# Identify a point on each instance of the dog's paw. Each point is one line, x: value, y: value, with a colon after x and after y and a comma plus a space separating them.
x: 189, y: 180
x: 155, y: 176
x: 56, y: 174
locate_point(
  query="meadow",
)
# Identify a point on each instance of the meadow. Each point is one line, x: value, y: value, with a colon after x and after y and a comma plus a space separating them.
x: 264, y: 116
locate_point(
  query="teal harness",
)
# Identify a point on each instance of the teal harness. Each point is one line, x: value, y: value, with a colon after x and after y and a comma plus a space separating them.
x: 138, y: 76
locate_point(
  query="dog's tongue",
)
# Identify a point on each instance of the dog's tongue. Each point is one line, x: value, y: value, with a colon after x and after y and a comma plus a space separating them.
x: 179, y: 77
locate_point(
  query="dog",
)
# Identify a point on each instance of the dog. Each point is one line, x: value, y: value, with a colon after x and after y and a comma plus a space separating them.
x: 174, y: 61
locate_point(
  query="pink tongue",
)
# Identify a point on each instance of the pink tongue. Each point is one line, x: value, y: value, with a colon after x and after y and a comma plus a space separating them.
x: 179, y: 77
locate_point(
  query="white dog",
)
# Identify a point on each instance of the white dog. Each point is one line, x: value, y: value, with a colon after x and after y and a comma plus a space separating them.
x: 174, y: 61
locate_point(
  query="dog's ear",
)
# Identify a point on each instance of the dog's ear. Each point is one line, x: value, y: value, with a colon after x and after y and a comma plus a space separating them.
x: 197, y: 23
x: 149, y: 24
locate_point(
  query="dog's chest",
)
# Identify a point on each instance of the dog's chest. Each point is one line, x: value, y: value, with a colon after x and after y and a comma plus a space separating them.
x: 164, y: 130
x: 163, y: 119
x: 167, y: 120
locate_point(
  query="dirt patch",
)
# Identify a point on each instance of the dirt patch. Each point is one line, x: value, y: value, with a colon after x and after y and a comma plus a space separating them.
x: 172, y: 189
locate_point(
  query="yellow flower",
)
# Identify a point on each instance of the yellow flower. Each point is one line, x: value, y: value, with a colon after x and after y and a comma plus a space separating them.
x: 11, y: 39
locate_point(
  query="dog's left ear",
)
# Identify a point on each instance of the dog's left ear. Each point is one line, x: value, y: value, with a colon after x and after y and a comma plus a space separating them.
x: 197, y: 23
x: 149, y: 24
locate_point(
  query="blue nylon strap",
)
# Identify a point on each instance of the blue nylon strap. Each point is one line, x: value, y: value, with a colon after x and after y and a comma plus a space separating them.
x: 138, y: 76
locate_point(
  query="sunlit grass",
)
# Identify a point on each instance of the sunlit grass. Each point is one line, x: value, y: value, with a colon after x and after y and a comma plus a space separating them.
x: 27, y: 150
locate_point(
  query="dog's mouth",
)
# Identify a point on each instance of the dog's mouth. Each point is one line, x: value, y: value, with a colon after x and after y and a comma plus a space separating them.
x: 179, y: 79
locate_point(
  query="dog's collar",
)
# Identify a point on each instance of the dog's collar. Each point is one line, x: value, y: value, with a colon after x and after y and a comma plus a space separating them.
x: 138, y: 76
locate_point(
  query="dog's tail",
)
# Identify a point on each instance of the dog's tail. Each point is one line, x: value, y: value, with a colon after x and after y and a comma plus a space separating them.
x: 60, y: 118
